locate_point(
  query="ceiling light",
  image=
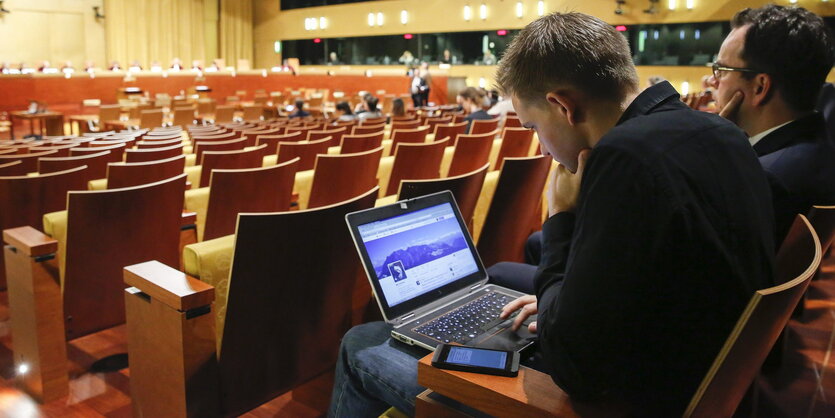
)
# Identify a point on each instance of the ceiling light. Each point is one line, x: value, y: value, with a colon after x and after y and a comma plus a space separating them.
x: 404, y: 17
x: 323, y: 23
x: 671, y: 4
x: 482, y: 11
x: 379, y: 19
x: 371, y: 19
x: 519, y: 11
x: 690, y: 4
x: 540, y: 8
x: 468, y: 13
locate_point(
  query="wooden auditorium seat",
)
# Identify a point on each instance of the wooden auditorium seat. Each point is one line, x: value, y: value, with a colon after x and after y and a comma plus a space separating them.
x: 226, y: 145
x: 514, y: 208
x: 433, y: 122
x: 152, y: 154
x: 305, y: 130
x: 121, y: 175
x: 251, y: 135
x: 25, y: 199
x: 61, y: 149
x: 184, y: 116
x: 253, y: 113
x: 230, y: 192
x: 512, y: 121
x: 306, y: 150
x: 483, y: 126
x: 341, y: 177
x: 450, y: 131
x: 272, y: 140
x: 96, y: 164
x: 471, y: 151
x: 408, y: 136
x: 117, y: 152
x: 405, y: 124
x: 735, y: 367
x: 336, y: 134
x: 358, y: 143
x: 465, y: 188
x: 151, y: 118
x: 516, y: 142
x: 364, y: 129
x: 98, y: 234
x: 29, y: 162
x: 246, y: 158
x: 157, y: 143
x: 217, y: 136
x: 267, y: 342
x: 411, y: 162
x: 223, y: 114
x: 372, y: 121
x: 13, y: 168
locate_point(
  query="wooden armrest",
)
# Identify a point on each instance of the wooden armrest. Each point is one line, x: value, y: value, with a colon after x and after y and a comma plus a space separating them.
x: 170, y: 286
x: 30, y: 241
x: 188, y: 219
x: 532, y: 393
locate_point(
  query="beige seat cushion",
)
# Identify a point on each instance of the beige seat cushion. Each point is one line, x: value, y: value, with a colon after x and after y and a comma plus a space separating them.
x: 211, y: 262
x: 197, y: 200
x: 55, y: 225
x: 99, y: 184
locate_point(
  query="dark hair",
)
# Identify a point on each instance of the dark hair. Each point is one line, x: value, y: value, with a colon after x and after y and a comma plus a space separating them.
x: 790, y: 44
x: 372, y: 103
x: 567, y: 49
x: 344, y: 107
x: 473, y: 94
x: 299, y: 104
x: 398, y: 108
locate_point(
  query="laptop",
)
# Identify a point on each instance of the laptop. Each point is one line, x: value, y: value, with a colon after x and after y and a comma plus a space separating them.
x: 428, y: 279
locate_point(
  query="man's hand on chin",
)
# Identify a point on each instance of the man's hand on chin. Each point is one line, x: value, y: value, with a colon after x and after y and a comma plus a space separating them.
x: 564, y: 186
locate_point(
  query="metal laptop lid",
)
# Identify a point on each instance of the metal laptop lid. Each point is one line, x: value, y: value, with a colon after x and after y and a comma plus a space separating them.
x: 415, y: 252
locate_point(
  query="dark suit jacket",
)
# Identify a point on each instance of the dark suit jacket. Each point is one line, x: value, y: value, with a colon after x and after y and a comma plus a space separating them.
x: 799, y: 161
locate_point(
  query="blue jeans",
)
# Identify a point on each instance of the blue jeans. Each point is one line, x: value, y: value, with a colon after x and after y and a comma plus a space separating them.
x: 374, y: 372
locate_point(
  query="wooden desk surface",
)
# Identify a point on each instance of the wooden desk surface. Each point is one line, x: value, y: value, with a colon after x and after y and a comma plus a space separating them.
x: 23, y: 114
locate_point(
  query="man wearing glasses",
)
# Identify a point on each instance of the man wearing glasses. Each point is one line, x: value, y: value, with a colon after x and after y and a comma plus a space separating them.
x: 767, y: 76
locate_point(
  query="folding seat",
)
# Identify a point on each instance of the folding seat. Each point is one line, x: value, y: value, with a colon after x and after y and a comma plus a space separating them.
x: 29, y: 162
x: 411, y: 162
x: 340, y: 177
x: 450, y: 131
x: 153, y: 154
x: 246, y: 158
x: 306, y: 150
x: 272, y: 140
x: 121, y: 175
x: 364, y: 129
x: 470, y: 152
x: 411, y: 136
x: 359, y: 143
x: 96, y: 164
x: 516, y: 142
x: 482, y: 126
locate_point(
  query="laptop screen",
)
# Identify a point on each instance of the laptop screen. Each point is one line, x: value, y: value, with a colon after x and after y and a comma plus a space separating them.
x: 417, y: 252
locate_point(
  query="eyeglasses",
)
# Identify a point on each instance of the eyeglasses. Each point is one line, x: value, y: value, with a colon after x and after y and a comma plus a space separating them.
x: 719, y: 70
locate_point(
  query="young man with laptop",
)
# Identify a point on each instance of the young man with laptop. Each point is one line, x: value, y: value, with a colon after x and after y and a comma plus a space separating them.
x: 660, y: 231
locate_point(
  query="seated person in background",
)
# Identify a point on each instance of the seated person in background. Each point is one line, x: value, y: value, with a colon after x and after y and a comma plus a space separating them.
x: 398, y: 108
x: 197, y: 65
x: 501, y: 108
x: 89, y: 66
x: 67, y: 68
x: 648, y: 260
x: 346, y: 114
x: 4, y: 67
x: 156, y: 66
x: 370, y: 110
x: 771, y: 94
x: 135, y: 66
x: 407, y: 58
x: 360, y: 107
x: 176, y: 64
x: 299, y: 112
x: 472, y: 100
x: 46, y: 67
x: 489, y: 58
x: 656, y: 79
x: 447, y: 58
x: 114, y: 66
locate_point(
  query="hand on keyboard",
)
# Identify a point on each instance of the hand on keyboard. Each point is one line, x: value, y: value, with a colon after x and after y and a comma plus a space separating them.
x: 526, y: 306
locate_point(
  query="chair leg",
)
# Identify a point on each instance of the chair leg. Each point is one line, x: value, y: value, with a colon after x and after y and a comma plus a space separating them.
x: 37, y: 321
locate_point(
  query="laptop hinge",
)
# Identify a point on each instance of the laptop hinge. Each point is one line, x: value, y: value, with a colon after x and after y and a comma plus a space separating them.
x: 406, y: 317
x: 476, y: 286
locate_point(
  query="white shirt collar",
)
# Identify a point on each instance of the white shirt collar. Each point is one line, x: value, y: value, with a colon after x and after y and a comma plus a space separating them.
x: 756, y: 138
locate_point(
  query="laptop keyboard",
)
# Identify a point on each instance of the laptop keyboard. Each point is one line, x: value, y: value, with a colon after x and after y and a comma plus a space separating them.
x: 467, y: 321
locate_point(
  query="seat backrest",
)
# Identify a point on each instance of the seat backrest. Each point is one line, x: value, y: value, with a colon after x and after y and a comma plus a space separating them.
x: 307, y: 151
x: 25, y: 199
x: 253, y: 134
x: 411, y: 136
x: 253, y: 113
x: 368, y: 129
x: 157, y: 143
x: 153, y: 154
x: 516, y: 142
x: 96, y: 164
x: 272, y: 140
x: 117, y: 152
x: 184, y: 116
x: 515, y: 202
x: 336, y: 134
x: 29, y: 162
x: 405, y: 124
x: 61, y: 150
x: 109, y: 112
x: 250, y: 190
x: 226, y: 145
x: 108, y: 230
x: 341, y: 177
x: 482, y: 126
x: 373, y: 121
x: 247, y: 158
x: 120, y: 175
x: 150, y: 118
x: 759, y: 326
x: 224, y: 114
x: 512, y: 121
x: 415, y: 162
x: 466, y: 189
x: 305, y: 131
x: 201, y: 136
x: 433, y: 122
x: 450, y: 131
x: 358, y: 143
x: 271, y: 343
x: 822, y: 219
x: 12, y: 168
x: 471, y: 151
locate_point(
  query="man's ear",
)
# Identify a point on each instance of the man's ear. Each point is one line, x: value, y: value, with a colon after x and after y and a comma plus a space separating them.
x: 565, y: 105
x: 762, y: 89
